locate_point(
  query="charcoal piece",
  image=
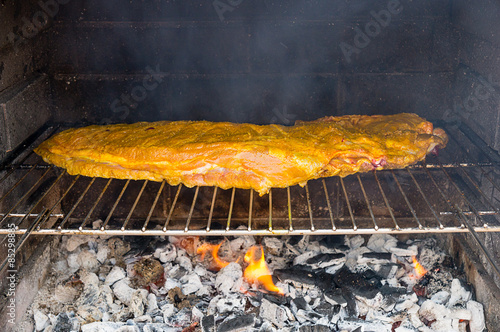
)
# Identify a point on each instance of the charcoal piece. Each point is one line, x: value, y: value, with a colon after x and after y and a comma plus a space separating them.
x: 208, y: 323
x: 387, y: 271
x: 352, y: 308
x: 357, y: 283
x: 276, y: 298
x: 334, y: 242
x: 300, y: 303
x: 327, y: 309
x: 293, y: 240
x: 388, y: 290
x: 335, y: 297
x: 63, y: 323
x: 296, y: 276
x: 240, y: 323
x: 314, y: 328
x: 325, y: 281
x: 378, y: 255
x: 327, y: 259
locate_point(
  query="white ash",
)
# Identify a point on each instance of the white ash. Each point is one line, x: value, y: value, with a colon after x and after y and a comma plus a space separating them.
x: 94, y: 287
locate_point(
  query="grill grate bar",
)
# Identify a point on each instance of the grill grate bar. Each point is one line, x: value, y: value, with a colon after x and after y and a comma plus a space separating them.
x: 26, y: 194
x: 115, y: 205
x: 407, y: 201
x: 479, y: 190
x: 87, y: 217
x: 63, y: 223
x: 190, y: 215
x: 169, y: 217
x: 329, y: 205
x: 354, y: 227
x: 125, y: 223
x: 231, y: 204
x: 375, y: 226
x: 270, y: 225
x: 426, y: 199
x: 386, y: 201
x: 289, y: 208
x: 153, y: 206
x: 16, y: 185
x: 250, y: 210
x: 209, y: 222
x: 309, y: 209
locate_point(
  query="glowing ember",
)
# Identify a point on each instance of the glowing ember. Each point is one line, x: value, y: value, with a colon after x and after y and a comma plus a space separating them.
x: 214, y: 249
x: 420, y: 271
x: 257, y: 270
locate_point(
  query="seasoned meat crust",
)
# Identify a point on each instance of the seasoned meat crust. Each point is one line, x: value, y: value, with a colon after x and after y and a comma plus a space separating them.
x: 226, y: 155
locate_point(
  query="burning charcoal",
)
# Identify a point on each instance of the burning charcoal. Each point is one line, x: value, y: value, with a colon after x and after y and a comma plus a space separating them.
x: 304, y: 316
x: 191, y: 283
x: 386, y: 271
x: 63, y: 323
x: 431, y: 311
x: 325, y: 260
x: 73, y: 263
x: 187, y: 243
x: 327, y: 309
x: 152, y: 304
x: 375, y: 258
x: 403, y: 250
x: 230, y: 304
x: 299, y: 303
x: 122, y: 315
x: 381, y: 242
x: 477, y: 323
x: 74, y: 241
x: 181, y: 318
x: 241, y: 243
x: 334, y: 268
x: 208, y: 324
x: 116, y: 274
x: 229, y: 279
x: 175, y: 272
x: 458, y: 293
x: 302, y: 259
x: 123, y: 291
x: 314, y: 328
x: 273, y: 245
x: 102, y: 327
x: 102, y: 252
x: 143, y: 319
x: 355, y: 241
x: 137, y: 302
x: 239, y: 323
x: 335, y: 297
x: 460, y: 314
x: 356, y: 282
x: 407, y: 301
x: 41, y: 320
x: 184, y: 262
x: 441, y: 297
x: 299, y: 278
x: 169, y: 310
x: 355, y: 324
x: 67, y: 293
x: 273, y: 313
x: 166, y: 254
x: 147, y: 271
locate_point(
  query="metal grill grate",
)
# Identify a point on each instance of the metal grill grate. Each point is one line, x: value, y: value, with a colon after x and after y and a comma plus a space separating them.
x: 455, y: 192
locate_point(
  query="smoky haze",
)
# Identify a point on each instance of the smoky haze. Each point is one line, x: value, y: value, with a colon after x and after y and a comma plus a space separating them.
x: 271, y: 62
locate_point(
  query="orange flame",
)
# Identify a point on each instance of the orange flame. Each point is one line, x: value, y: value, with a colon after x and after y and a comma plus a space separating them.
x: 257, y: 270
x: 419, y: 269
x: 214, y: 249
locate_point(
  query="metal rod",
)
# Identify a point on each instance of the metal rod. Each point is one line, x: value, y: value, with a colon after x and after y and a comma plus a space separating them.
x: 15, y: 185
x: 464, y: 218
x: 479, y: 190
x: 425, y: 199
x: 354, y: 226
x: 250, y: 210
x: 153, y: 207
x: 375, y: 226
x: 308, y: 197
x: 30, y: 215
x: 270, y: 223
x: 12, y: 169
x: 26, y: 194
x: 23, y: 238
x: 62, y: 197
x: 172, y: 207
x: 186, y: 228
x: 95, y: 204
x: 103, y: 227
x: 228, y: 225
x: 75, y: 205
x: 211, y: 213
x: 386, y: 201
x: 412, y: 210
x: 43, y: 196
x: 289, y: 206
x: 328, y: 204
x: 134, y: 205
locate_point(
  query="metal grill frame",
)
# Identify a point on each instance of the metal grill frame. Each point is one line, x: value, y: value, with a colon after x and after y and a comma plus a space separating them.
x: 463, y: 217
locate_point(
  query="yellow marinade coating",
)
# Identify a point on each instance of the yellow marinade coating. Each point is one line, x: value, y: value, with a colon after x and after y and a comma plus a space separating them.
x: 244, y: 155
